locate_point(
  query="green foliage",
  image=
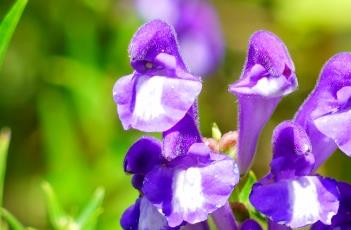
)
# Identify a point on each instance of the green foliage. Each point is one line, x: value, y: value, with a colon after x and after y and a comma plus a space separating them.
x: 249, y: 181
x: 11, y: 220
x: 240, y: 198
x: 62, y: 221
x: 8, y: 25
x: 5, y: 136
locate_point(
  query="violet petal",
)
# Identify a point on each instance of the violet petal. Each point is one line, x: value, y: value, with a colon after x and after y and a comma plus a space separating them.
x: 160, y: 91
x: 224, y: 218
x: 154, y: 104
x: 319, y: 194
x: 342, y: 220
x: 324, y: 115
x: 292, y: 151
x: 193, y: 185
x: 178, y: 139
x: 250, y: 224
x: 143, y: 155
x: 150, y: 40
x: 130, y: 217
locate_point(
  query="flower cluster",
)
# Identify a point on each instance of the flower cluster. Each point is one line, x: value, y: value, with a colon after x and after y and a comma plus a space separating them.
x: 181, y: 180
x: 184, y: 179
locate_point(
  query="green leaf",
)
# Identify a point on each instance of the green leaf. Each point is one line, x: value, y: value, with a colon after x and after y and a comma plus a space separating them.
x: 89, y: 215
x: 246, y: 189
x: 8, y: 25
x: 216, y: 132
x: 244, y: 195
x: 5, y: 136
x: 56, y: 214
x: 11, y: 220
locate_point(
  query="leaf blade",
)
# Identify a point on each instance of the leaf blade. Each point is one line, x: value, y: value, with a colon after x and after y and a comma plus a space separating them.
x: 8, y: 26
x: 5, y: 136
x: 56, y: 214
x: 11, y: 220
x: 92, y: 210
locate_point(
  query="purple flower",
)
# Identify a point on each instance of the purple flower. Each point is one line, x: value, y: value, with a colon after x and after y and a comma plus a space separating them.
x: 291, y: 194
x: 160, y: 91
x: 268, y: 75
x: 184, y: 190
x: 326, y: 114
x: 342, y: 220
x: 197, y: 26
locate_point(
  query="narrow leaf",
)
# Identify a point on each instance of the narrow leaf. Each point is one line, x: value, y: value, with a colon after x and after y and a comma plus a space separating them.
x: 56, y: 214
x: 5, y: 136
x: 11, y: 220
x: 91, y: 212
x: 8, y: 25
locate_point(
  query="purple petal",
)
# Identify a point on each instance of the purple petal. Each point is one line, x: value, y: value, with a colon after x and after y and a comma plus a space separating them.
x: 199, y: 226
x: 292, y: 151
x: 137, y: 181
x: 143, y: 155
x: 254, y: 112
x: 154, y: 103
x: 151, y: 218
x: 144, y: 216
x: 301, y: 201
x: 224, y: 218
x: 130, y: 217
x: 342, y: 220
x: 274, y: 226
x: 150, y: 40
x: 337, y: 126
x: 192, y: 186
x: 268, y: 75
x: 178, y: 139
x: 327, y: 109
x: 269, y: 70
x: 250, y: 225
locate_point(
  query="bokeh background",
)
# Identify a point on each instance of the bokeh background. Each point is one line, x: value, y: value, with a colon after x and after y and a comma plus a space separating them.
x: 56, y: 93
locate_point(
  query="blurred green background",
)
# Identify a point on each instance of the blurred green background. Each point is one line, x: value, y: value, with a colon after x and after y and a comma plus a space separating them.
x: 56, y: 93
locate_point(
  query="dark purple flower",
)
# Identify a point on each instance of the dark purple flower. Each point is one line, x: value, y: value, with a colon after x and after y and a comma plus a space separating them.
x: 160, y: 91
x: 184, y: 190
x: 291, y: 194
x: 326, y: 114
x: 197, y: 26
x: 342, y: 220
x: 268, y: 75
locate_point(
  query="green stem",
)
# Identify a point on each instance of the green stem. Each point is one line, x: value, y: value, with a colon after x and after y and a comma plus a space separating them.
x: 5, y: 135
x: 11, y: 220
